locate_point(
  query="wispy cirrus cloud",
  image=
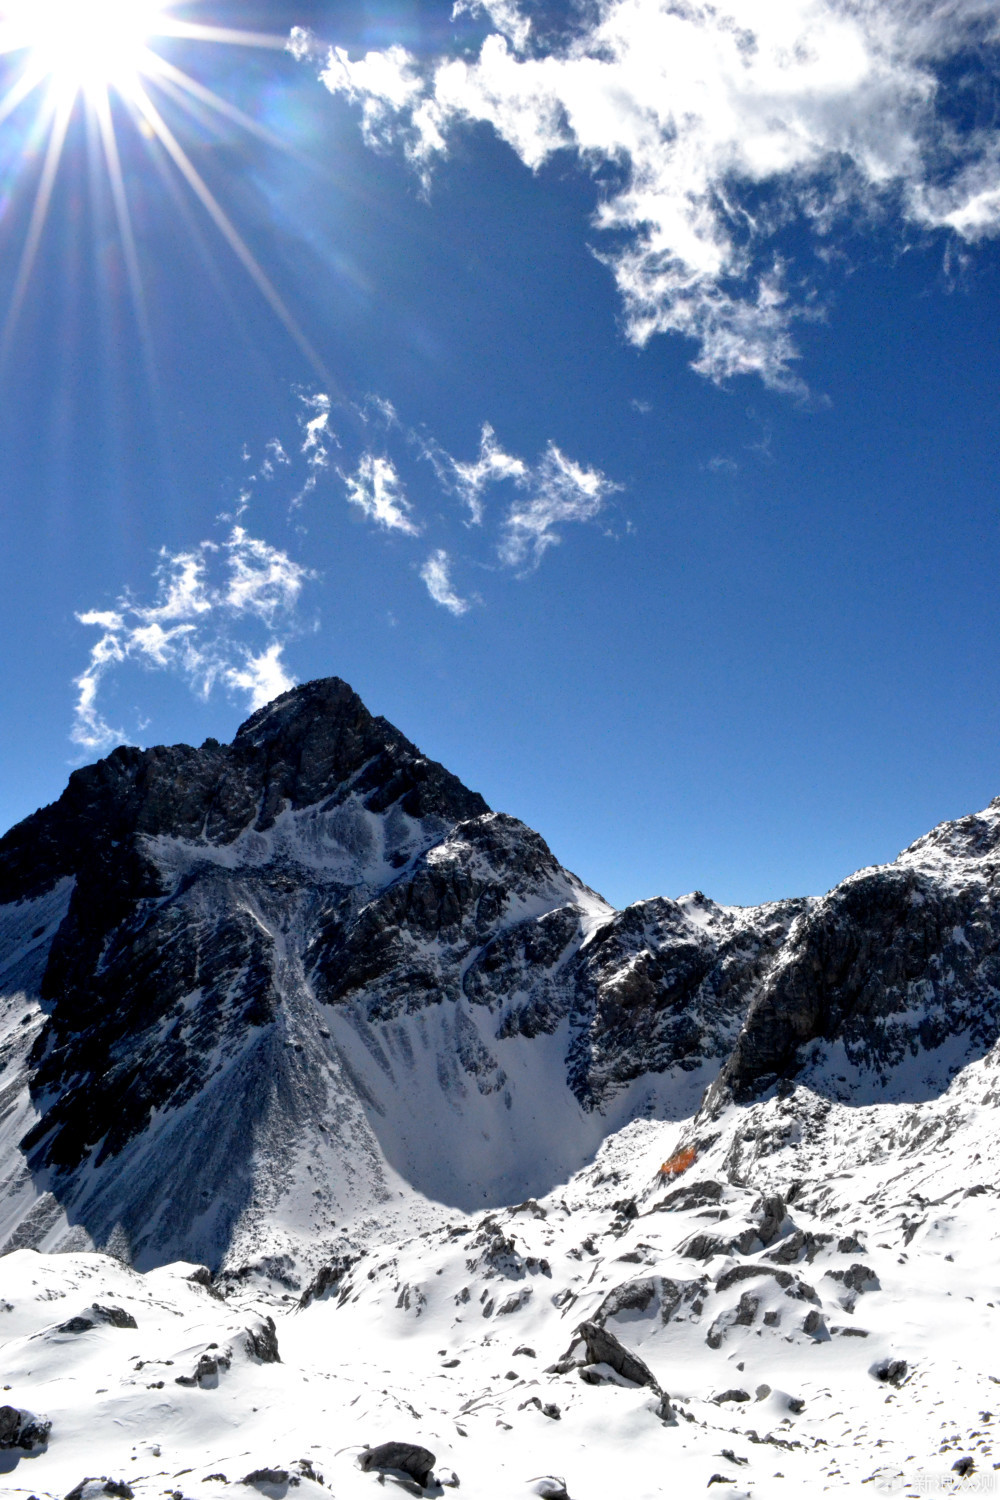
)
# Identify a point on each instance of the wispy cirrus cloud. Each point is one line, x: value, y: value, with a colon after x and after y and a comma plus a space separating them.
x: 518, y: 506
x: 557, y: 491
x: 196, y: 627
x: 219, y: 616
x: 719, y: 126
x: 436, y: 574
x: 492, y: 466
x: 377, y: 490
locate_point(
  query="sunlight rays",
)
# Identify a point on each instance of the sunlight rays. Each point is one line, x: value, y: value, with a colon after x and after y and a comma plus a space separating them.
x: 99, y: 57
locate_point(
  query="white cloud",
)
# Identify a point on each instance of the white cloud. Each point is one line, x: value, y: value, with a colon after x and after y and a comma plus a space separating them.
x: 375, y: 487
x: 436, y: 574
x: 261, y: 677
x: 317, y: 439
x: 504, y: 14
x: 720, y: 124
x: 559, y: 490
x: 492, y: 465
x: 262, y: 580
x: 204, y: 600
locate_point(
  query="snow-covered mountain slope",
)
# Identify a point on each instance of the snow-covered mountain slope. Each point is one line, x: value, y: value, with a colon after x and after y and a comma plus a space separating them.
x: 766, y: 1324
x: 296, y: 980
x: 305, y: 1010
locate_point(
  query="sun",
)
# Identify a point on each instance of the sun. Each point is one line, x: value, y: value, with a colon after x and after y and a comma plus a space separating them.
x: 77, y: 57
x: 83, y: 46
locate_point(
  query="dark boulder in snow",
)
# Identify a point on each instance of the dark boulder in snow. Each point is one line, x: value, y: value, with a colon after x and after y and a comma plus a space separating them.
x: 889, y: 1371
x: 22, y: 1429
x: 113, y: 1317
x: 93, y: 1489
x: 601, y: 1347
x: 406, y: 1458
x: 262, y: 1342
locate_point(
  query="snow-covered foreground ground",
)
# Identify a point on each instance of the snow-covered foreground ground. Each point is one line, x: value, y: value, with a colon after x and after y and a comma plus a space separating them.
x: 816, y: 1330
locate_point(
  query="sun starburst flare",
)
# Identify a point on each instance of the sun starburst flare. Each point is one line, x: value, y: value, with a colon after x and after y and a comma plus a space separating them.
x: 91, y: 55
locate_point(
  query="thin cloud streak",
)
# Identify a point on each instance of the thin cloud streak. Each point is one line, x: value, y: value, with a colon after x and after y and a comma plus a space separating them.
x: 436, y: 574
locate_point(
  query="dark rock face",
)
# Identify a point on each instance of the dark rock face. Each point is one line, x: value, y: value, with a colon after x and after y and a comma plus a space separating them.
x: 314, y: 951
x: 666, y: 984
x: 895, y: 962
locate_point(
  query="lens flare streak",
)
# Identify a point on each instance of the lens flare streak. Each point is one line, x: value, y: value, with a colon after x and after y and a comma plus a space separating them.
x: 82, y: 54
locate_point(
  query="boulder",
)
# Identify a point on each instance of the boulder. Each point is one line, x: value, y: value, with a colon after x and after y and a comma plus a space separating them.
x: 262, y: 1342
x: 22, y: 1429
x: 92, y: 1489
x: 406, y: 1458
x: 113, y: 1317
x: 603, y: 1348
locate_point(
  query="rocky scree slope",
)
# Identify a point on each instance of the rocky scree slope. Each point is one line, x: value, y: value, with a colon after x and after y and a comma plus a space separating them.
x: 252, y: 993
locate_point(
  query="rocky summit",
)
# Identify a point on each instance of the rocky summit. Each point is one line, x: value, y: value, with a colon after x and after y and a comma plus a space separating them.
x: 297, y: 1033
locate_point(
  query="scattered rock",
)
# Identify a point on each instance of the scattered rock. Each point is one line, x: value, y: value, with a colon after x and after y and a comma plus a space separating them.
x: 791, y: 1285
x: 262, y: 1342
x: 692, y: 1195
x: 594, y: 1345
x: 732, y: 1395
x: 857, y: 1278
x: 647, y: 1294
x: 703, y: 1246
x: 406, y: 1458
x: 773, y: 1215
x: 114, y: 1317
x: 308, y: 1470
x: 515, y: 1301
x: 207, y: 1370
x: 260, y: 1478
x: 202, y: 1276
x: 889, y: 1371
x: 549, y: 1487
x: 813, y: 1324
x: 329, y: 1278
x: 90, y: 1489
x: 547, y: 1408
x: 530, y: 1206
x: 22, y: 1429
x: 526, y: 1350
x: 801, y: 1244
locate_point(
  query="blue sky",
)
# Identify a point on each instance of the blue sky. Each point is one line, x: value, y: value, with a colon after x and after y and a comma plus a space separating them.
x: 608, y: 394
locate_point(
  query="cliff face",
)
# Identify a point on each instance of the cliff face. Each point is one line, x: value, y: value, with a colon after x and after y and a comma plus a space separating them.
x: 251, y: 993
x: 890, y: 984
